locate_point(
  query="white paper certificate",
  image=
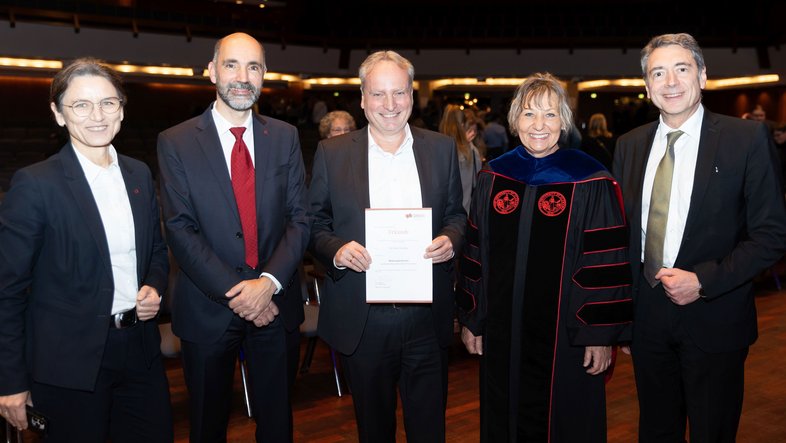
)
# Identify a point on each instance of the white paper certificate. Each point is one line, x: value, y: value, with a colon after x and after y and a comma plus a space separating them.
x: 397, y: 239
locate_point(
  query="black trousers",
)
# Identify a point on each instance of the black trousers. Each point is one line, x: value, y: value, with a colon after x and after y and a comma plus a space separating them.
x: 130, y: 403
x: 209, y: 369
x: 677, y: 381
x: 399, y: 348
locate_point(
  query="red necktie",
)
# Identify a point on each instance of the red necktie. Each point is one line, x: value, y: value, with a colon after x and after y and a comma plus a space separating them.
x: 243, y: 183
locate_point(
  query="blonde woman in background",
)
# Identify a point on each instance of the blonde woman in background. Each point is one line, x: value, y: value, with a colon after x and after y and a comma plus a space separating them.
x: 599, y: 142
x: 461, y: 125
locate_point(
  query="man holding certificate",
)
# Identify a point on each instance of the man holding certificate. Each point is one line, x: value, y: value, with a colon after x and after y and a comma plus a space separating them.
x: 386, y: 205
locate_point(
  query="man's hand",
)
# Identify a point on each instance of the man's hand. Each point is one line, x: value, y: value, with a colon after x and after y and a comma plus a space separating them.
x: 440, y: 250
x: 473, y: 343
x: 353, y: 256
x: 682, y: 287
x: 267, y: 316
x: 148, y: 303
x: 597, y: 359
x: 252, y: 300
x: 12, y: 407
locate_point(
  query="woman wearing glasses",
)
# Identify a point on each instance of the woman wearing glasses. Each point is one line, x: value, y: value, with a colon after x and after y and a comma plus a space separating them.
x: 82, y: 269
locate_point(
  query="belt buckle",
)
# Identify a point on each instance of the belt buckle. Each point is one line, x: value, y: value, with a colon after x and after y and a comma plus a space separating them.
x: 121, y: 321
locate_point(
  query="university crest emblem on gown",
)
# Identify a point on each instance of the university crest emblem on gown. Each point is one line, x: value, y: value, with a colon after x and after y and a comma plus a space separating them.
x: 551, y: 204
x: 506, y: 202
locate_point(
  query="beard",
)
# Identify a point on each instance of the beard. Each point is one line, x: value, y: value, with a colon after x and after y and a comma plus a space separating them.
x: 242, y: 103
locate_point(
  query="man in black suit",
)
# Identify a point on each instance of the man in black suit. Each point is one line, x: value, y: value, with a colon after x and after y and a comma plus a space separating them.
x: 697, y: 251
x: 238, y: 244
x: 387, y: 165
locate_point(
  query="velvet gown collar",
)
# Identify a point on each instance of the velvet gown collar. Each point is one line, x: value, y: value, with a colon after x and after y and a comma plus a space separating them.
x: 564, y: 165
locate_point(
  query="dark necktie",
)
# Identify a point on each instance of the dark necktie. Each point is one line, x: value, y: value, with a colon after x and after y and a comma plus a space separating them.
x: 243, y: 184
x: 659, y: 211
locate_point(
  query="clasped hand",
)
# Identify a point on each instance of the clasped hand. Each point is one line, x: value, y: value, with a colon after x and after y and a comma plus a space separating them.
x: 681, y: 287
x: 252, y: 300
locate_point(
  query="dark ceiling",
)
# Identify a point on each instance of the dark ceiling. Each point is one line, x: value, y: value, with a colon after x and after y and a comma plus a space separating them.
x: 427, y: 24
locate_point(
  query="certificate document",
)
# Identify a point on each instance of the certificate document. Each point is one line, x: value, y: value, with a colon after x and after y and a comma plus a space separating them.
x: 397, y: 239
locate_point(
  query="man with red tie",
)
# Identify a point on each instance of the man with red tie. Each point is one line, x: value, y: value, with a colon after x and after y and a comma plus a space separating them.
x: 232, y: 190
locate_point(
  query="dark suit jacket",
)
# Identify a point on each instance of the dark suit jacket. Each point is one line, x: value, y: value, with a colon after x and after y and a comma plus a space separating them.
x: 736, y: 224
x: 203, y: 226
x: 339, y: 196
x: 52, y: 241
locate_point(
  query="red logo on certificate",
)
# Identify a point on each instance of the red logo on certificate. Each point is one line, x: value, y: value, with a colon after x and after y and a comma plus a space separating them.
x: 506, y: 202
x: 551, y: 204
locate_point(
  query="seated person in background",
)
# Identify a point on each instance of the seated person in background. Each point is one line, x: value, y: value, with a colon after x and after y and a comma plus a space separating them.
x: 336, y: 123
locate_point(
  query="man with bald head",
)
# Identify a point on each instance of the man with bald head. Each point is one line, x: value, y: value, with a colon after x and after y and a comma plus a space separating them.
x: 232, y: 190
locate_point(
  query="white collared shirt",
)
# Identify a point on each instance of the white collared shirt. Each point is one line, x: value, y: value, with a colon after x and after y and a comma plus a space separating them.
x: 686, y: 151
x: 227, y: 139
x: 111, y: 197
x: 393, y: 180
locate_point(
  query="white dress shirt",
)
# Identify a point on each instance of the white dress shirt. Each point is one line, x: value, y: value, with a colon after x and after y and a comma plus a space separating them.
x: 393, y: 180
x: 227, y: 139
x: 686, y: 151
x: 111, y: 197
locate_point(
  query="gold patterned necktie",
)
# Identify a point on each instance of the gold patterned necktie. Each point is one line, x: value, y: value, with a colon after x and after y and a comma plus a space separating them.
x: 659, y: 211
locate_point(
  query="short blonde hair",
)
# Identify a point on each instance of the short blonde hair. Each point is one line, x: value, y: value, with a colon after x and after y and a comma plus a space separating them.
x: 381, y: 56
x: 535, y: 88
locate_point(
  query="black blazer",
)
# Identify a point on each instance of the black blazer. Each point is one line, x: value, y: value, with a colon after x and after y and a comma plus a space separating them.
x: 338, y: 198
x: 736, y: 224
x: 203, y: 226
x: 52, y: 241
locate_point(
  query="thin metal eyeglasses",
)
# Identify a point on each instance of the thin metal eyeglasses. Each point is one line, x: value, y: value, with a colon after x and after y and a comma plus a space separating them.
x: 83, y: 108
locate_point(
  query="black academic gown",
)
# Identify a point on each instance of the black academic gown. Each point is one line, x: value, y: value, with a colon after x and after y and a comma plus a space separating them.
x: 544, y: 273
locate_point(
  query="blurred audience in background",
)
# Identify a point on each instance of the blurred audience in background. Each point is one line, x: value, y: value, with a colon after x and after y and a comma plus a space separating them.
x: 599, y: 141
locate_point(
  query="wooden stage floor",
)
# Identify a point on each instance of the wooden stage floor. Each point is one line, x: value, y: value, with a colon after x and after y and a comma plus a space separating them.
x: 320, y: 416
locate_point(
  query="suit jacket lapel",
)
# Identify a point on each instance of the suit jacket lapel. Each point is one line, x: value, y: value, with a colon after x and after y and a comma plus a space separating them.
x: 423, y: 163
x: 261, y: 155
x: 141, y: 215
x: 209, y: 143
x: 708, y: 149
x: 359, y: 162
x: 638, y: 165
x: 83, y: 196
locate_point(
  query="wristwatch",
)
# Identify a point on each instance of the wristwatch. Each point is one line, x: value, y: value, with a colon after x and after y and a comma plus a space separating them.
x: 702, y: 294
